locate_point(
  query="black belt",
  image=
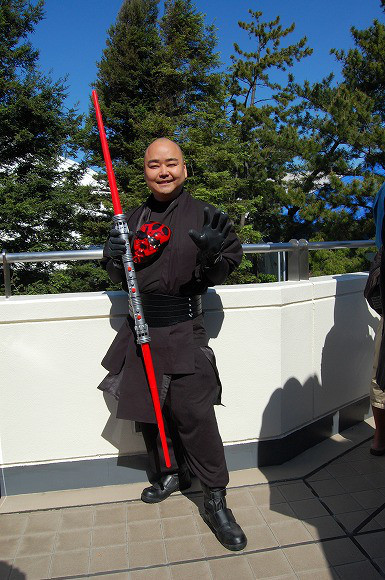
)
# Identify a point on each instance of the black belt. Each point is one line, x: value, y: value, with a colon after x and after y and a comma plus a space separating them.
x: 162, y: 310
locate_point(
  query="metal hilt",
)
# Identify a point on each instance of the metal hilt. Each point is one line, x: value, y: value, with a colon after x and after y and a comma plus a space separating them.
x: 141, y: 328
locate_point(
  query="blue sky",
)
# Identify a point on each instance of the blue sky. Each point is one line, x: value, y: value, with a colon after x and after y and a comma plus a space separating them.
x: 73, y: 33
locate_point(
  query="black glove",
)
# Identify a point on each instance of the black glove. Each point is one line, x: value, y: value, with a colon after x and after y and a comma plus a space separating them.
x: 116, y: 246
x: 210, y: 241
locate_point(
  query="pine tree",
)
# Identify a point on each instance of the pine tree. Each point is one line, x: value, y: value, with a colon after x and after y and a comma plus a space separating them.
x: 39, y: 200
x: 156, y: 78
x: 344, y: 128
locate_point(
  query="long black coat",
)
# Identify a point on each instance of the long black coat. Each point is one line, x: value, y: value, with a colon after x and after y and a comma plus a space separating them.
x: 177, y: 272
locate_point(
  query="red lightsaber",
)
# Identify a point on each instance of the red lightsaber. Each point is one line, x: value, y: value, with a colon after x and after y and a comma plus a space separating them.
x: 141, y: 328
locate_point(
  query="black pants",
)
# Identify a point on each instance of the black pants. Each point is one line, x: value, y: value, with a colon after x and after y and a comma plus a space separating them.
x: 191, y: 427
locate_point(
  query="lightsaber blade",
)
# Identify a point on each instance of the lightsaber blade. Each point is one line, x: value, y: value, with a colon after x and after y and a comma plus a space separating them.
x: 141, y: 328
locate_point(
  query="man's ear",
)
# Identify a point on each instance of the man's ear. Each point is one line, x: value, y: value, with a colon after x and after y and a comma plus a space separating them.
x: 185, y: 170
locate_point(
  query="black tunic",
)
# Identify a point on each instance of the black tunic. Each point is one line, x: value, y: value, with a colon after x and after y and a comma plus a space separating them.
x: 177, y: 272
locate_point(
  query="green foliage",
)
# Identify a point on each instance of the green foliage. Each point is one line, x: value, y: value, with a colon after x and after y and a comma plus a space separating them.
x: 40, y: 201
x: 265, y: 149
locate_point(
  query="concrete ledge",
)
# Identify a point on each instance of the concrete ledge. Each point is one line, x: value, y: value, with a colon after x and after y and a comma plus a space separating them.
x: 122, y: 470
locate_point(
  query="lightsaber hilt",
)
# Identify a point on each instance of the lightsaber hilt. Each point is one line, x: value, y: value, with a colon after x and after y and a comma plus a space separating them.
x: 141, y: 328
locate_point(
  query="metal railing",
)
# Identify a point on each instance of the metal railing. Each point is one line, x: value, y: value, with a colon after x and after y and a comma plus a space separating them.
x: 297, y: 256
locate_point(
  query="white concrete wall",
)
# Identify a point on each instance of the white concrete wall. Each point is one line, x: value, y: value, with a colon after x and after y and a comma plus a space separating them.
x: 288, y: 353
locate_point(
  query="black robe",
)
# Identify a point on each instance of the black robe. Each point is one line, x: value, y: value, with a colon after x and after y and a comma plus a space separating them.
x: 176, y: 272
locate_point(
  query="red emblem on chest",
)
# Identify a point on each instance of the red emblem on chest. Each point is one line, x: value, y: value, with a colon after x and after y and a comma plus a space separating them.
x: 149, y: 240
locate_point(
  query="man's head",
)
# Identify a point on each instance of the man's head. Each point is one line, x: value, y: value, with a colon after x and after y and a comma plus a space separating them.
x: 164, y: 169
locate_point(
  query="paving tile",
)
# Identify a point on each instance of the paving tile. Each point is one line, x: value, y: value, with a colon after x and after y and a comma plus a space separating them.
x: 376, y: 479
x: 109, y: 536
x: 380, y: 518
x: 319, y: 475
x: 374, y: 544
x: 365, y: 467
x: 290, y: 533
x: 159, y: 573
x: 8, y: 547
x: 212, y: 547
x: 73, y: 540
x: 357, y: 454
x: 118, y: 576
x: 12, y: 524
x: 174, y: 507
x: 325, y: 574
x: 341, y: 469
x: 295, y: 491
x: 5, y: 571
x: 271, y: 564
x: 70, y: 563
x: 327, y: 487
x: 380, y: 563
x: 277, y: 513
x: 372, y: 526
x: 36, y: 544
x: 266, y: 495
x: 32, y: 567
x: 342, y: 503
x: 110, y: 515
x: 230, y: 568
x: 239, y: 498
x: 76, y: 519
x: 40, y: 522
x: 358, y: 570
x: 191, y: 571
x: 144, y: 531
x: 177, y: 527
x: 308, y: 557
x: 355, y: 483
x: 248, y: 516
x: 146, y: 553
x: 354, y: 519
x: 201, y: 525
x: 260, y: 538
x: 323, y: 527
x: 142, y: 511
x: 341, y: 551
x: 108, y: 559
x: 180, y: 549
x: 369, y: 499
x: 308, y: 508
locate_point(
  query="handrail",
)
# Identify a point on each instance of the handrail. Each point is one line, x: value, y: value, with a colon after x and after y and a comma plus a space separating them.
x: 297, y: 266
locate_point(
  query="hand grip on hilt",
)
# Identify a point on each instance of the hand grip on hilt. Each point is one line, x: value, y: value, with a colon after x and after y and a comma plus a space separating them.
x: 141, y: 328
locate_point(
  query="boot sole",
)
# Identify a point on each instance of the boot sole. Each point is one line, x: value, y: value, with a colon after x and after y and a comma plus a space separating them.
x: 232, y: 547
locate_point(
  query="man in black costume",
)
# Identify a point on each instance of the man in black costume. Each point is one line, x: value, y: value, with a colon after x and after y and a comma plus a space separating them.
x: 201, y: 251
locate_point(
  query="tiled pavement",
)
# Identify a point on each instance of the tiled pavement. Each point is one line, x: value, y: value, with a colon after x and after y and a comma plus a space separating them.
x: 327, y: 524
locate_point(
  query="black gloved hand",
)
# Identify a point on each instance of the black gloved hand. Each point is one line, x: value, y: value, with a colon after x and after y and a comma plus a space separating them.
x: 214, y: 232
x: 116, y: 246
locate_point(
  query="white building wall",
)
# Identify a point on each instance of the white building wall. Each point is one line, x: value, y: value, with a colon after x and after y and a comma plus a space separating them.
x: 288, y: 353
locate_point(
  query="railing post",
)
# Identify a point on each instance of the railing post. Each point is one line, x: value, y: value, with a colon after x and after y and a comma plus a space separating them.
x: 303, y: 257
x: 293, y: 262
x: 6, y: 274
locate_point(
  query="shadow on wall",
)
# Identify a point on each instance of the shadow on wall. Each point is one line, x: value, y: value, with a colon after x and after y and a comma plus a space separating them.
x: 346, y: 363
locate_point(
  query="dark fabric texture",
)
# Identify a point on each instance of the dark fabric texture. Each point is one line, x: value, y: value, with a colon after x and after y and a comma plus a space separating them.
x: 177, y: 272
x: 380, y: 376
x: 191, y: 427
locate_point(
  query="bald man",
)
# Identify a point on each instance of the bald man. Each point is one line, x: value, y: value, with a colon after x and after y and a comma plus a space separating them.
x: 181, y: 247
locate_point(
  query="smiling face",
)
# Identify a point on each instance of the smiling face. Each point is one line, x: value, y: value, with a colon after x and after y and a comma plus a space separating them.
x: 164, y: 169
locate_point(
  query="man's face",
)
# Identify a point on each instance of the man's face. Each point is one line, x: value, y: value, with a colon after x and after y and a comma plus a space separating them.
x: 164, y: 169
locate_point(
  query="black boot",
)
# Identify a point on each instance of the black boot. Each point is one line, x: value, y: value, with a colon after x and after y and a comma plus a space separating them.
x: 167, y: 484
x: 221, y: 520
